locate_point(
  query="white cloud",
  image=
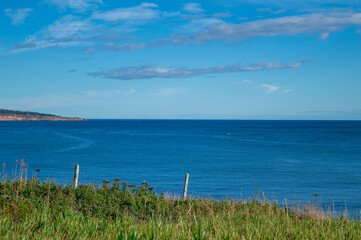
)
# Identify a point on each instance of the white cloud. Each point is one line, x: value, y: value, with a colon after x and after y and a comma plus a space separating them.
x: 32, y: 43
x: 193, y: 8
x: 199, y: 24
x: 59, y: 34
x: 287, y: 91
x: 270, y: 88
x: 243, y: 82
x: 323, y: 36
x: 78, y: 5
x: 68, y: 26
x: 290, y: 25
x: 247, y: 81
x: 89, y: 50
x: 73, y: 30
x: 322, y: 23
x: 18, y: 16
x: 154, y: 71
x: 270, y: 10
x: 143, y: 12
x: 69, y: 31
x: 128, y: 47
x: 297, y: 4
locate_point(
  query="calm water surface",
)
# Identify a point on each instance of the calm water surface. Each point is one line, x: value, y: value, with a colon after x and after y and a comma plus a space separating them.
x: 284, y: 159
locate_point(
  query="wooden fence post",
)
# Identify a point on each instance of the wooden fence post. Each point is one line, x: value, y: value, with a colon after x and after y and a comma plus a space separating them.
x: 185, y: 186
x: 76, y: 175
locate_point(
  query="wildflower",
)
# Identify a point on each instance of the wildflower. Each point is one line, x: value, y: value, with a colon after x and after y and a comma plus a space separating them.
x: 38, y: 169
x: 146, y: 184
x: 105, y: 181
x: 117, y: 180
x: 125, y: 184
x: 151, y: 188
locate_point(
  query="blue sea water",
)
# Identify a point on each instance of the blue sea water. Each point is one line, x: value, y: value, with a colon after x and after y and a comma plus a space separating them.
x: 284, y: 159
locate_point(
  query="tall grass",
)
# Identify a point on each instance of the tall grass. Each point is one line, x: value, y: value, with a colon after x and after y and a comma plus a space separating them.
x: 30, y: 209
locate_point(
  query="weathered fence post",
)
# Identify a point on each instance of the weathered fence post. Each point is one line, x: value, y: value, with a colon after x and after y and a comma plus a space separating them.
x: 76, y: 175
x: 185, y: 186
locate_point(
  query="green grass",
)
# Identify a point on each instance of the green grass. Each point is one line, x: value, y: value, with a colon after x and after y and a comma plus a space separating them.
x: 45, y: 210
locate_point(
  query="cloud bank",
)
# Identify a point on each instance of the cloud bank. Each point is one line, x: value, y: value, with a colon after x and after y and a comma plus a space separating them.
x: 154, y: 71
x: 312, y: 23
x: 106, y: 30
x: 291, y: 25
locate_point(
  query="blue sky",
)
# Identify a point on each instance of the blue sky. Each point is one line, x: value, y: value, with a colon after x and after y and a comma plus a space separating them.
x: 235, y: 59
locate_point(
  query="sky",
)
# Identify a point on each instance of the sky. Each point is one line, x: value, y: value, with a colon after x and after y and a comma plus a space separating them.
x: 234, y: 59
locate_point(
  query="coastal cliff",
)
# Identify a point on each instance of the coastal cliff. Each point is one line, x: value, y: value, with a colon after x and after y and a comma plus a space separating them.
x: 10, y: 115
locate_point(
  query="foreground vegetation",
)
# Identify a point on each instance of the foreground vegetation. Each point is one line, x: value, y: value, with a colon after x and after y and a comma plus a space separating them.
x: 30, y: 209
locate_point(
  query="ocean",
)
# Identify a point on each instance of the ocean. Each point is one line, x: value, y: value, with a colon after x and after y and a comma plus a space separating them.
x: 301, y: 161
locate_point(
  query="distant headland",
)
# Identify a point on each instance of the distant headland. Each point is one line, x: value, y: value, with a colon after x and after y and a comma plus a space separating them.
x: 11, y: 115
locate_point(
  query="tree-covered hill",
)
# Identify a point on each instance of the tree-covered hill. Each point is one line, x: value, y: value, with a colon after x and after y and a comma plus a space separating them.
x: 24, y: 115
x: 4, y: 112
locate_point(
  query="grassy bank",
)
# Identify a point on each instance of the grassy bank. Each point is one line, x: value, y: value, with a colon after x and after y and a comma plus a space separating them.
x: 31, y: 209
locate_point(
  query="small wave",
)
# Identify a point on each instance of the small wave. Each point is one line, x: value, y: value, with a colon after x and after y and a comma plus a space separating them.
x: 84, y: 143
x: 239, y: 134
